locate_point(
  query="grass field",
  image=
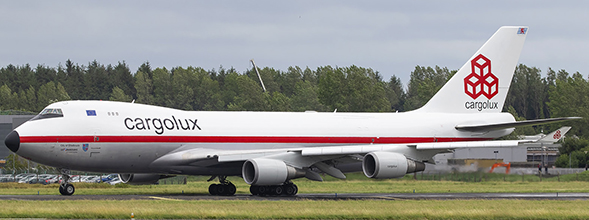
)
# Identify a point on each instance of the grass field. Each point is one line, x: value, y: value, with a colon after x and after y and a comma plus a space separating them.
x: 356, y: 183
x: 342, y: 209
x: 229, y: 209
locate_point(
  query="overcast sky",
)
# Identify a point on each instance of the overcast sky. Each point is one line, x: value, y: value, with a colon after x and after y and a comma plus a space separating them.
x: 391, y: 37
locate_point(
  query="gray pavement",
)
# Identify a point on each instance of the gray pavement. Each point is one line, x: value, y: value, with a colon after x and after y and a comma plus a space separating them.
x: 347, y: 196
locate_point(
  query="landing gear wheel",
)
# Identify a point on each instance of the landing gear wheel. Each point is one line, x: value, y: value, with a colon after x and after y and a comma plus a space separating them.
x: 226, y: 188
x: 263, y: 190
x: 255, y: 190
x: 220, y: 190
x: 290, y: 189
x: 231, y: 189
x: 67, y: 190
x: 213, y: 189
x: 277, y: 190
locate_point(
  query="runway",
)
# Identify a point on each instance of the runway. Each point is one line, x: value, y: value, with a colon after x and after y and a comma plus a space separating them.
x: 347, y: 196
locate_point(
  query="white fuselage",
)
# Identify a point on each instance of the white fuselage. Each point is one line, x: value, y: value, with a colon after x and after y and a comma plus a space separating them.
x: 104, y: 136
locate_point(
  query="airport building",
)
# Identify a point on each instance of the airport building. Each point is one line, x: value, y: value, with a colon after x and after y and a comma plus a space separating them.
x: 527, y: 155
x: 7, y: 124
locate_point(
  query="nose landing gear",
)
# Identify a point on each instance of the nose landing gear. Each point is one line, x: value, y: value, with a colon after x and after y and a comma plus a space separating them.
x: 66, y: 188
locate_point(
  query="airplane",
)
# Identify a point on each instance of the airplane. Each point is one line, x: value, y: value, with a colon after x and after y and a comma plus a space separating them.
x: 145, y: 143
x: 548, y: 138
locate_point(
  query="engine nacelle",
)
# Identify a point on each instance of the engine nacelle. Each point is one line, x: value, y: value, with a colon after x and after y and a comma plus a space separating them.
x: 140, y: 179
x: 261, y: 171
x: 383, y: 165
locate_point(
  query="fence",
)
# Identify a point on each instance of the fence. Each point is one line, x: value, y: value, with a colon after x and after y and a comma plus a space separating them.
x: 527, y: 175
x: 176, y: 180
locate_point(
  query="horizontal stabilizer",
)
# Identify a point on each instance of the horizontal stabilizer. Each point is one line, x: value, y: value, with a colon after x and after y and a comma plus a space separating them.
x: 499, y: 126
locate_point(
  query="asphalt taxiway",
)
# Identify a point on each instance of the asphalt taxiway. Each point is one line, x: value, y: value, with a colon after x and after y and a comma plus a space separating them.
x: 347, y: 196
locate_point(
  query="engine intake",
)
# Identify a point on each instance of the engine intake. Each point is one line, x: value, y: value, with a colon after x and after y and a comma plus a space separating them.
x: 384, y: 165
x: 263, y: 171
x: 141, y: 179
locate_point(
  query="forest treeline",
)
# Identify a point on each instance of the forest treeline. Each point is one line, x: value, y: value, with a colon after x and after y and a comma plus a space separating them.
x: 347, y: 89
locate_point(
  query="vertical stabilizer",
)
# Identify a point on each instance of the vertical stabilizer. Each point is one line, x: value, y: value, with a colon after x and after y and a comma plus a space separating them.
x: 555, y: 135
x: 482, y: 83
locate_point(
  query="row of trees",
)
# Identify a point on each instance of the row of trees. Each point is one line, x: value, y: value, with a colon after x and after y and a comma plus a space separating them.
x: 193, y: 88
x: 355, y: 89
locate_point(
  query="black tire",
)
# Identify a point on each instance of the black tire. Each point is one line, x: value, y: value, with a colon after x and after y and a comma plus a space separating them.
x: 254, y: 190
x: 262, y: 190
x: 213, y: 189
x: 231, y: 189
x: 221, y: 189
x: 290, y: 189
x: 68, y: 190
x: 277, y: 190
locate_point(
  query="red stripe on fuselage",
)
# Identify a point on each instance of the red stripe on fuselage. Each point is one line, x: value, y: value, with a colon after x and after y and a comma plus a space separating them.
x: 239, y: 139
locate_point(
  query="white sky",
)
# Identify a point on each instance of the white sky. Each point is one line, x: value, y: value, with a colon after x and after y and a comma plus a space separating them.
x: 391, y: 37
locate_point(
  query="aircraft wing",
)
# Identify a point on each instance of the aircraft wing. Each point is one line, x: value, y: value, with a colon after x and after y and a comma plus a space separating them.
x: 499, y: 126
x: 188, y: 156
x: 324, y: 159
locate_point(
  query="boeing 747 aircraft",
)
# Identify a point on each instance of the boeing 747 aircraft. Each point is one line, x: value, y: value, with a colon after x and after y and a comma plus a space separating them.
x: 269, y: 149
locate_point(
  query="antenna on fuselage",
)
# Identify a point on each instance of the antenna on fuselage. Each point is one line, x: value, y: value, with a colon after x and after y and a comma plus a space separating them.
x: 259, y: 77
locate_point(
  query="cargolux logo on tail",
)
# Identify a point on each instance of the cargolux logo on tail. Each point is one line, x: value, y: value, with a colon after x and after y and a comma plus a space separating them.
x: 481, y: 81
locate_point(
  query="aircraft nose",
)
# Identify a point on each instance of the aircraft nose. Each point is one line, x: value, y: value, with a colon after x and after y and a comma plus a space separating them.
x: 12, y: 141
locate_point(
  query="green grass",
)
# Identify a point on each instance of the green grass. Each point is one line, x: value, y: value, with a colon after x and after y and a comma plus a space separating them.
x: 356, y: 183
x: 350, y: 209
x: 312, y: 209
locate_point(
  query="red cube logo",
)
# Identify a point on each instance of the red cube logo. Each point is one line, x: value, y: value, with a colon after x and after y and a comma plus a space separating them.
x: 481, y: 81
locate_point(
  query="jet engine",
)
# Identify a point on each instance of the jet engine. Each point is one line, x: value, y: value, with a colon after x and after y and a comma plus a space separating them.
x: 261, y: 171
x: 383, y: 165
x: 141, y: 179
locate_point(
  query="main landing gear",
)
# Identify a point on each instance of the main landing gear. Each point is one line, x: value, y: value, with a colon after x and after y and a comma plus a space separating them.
x: 66, y: 188
x: 226, y: 188
x: 287, y: 189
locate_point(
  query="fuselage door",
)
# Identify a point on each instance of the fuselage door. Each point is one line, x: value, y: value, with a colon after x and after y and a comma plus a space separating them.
x: 94, y: 148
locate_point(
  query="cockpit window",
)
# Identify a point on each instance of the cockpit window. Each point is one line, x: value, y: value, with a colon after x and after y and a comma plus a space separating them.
x: 51, y: 111
x: 48, y: 113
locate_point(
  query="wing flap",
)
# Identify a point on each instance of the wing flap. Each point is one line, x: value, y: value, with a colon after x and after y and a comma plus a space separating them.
x: 343, y: 150
x: 192, y: 155
x: 499, y: 126
x: 232, y: 156
x: 363, y: 149
x: 467, y: 144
